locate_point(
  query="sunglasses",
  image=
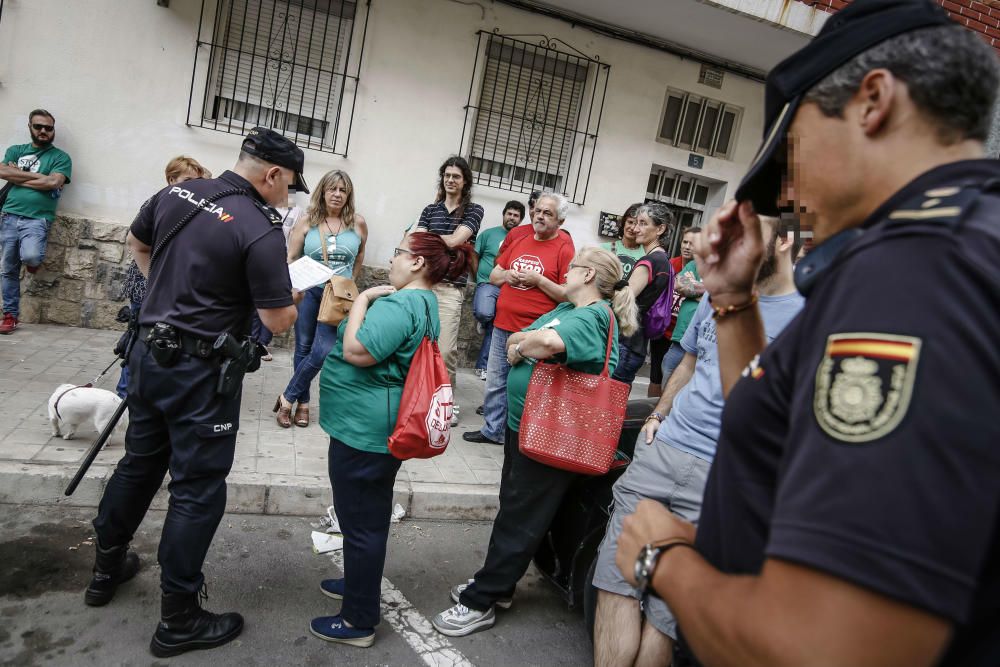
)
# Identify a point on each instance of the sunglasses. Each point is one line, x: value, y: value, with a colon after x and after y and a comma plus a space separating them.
x: 38, y: 127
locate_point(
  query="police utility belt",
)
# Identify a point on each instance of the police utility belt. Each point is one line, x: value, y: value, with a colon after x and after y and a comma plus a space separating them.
x: 166, y: 344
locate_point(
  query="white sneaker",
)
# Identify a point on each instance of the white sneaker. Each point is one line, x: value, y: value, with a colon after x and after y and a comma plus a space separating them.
x: 454, y: 415
x: 459, y: 621
x: 456, y: 592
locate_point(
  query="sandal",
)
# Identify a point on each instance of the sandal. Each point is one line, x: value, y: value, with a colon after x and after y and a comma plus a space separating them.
x: 267, y: 356
x: 301, y: 415
x: 283, y: 414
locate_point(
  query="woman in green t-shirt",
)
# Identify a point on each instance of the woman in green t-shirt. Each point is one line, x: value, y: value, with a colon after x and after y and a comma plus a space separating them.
x: 360, y: 389
x: 575, y: 334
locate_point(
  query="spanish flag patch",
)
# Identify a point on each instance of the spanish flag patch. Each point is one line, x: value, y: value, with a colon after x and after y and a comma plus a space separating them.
x: 864, y: 384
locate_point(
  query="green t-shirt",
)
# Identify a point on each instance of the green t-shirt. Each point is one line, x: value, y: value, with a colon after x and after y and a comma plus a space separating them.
x: 628, y: 257
x: 358, y: 405
x: 584, y: 331
x: 688, y: 306
x: 487, y: 246
x: 32, y: 203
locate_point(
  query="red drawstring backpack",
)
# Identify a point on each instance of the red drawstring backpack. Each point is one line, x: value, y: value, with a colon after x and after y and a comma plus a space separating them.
x: 423, y: 424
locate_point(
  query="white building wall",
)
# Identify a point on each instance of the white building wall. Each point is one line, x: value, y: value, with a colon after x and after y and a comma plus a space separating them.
x: 117, y: 77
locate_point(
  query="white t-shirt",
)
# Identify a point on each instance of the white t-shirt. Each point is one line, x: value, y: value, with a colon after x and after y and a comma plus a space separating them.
x: 289, y: 216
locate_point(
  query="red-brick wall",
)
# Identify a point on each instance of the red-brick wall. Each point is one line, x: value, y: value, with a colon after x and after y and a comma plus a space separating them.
x: 981, y: 16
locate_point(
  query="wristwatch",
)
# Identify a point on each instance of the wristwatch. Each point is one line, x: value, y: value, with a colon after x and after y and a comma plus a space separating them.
x: 657, y: 416
x: 530, y: 360
x: 649, y: 555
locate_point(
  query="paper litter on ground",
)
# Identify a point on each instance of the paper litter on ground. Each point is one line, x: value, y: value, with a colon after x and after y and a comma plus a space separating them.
x: 325, y: 542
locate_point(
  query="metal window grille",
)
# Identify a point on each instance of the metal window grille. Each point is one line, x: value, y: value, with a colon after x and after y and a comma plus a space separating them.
x: 282, y: 64
x: 699, y: 124
x: 535, y: 122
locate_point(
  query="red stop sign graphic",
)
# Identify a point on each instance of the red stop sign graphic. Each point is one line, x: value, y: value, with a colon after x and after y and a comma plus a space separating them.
x: 527, y: 264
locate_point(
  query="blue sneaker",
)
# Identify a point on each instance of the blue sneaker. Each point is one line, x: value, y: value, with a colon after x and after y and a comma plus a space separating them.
x: 333, y: 588
x: 334, y: 629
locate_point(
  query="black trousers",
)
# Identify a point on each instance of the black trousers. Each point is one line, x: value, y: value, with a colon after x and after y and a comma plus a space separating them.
x: 362, y: 496
x: 178, y: 423
x: 530, y: 495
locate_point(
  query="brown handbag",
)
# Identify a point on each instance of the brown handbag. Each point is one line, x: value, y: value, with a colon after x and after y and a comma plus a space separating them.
x: 338, y: 295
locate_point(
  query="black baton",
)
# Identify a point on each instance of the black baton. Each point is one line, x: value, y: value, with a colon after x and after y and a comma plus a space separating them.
x: 95, y: 448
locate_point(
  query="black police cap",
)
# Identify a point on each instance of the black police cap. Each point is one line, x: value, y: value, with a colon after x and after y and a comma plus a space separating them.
x: 269, y: 146
x: 848, y: 33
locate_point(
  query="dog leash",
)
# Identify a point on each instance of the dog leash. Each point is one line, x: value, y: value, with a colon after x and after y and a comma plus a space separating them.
x: 90, y: 384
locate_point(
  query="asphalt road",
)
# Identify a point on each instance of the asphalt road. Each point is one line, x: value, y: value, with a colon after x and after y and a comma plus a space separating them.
x: 263, y: 567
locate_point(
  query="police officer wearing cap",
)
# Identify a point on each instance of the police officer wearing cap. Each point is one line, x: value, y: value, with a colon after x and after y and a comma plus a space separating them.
x: 852, y: 514
x: 213, y: 251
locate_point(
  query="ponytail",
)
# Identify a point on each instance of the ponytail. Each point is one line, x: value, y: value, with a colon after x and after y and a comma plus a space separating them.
x: 613, y: 286
x: 460, y: 260
x: 626, y: 310
x: 443, y: 263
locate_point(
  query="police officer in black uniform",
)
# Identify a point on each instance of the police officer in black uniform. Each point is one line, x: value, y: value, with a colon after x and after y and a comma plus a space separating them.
x: 213, y: 251
x: 852, y: 514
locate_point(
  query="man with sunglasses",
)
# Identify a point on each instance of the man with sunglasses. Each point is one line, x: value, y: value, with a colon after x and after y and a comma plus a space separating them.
x: 35, y: 175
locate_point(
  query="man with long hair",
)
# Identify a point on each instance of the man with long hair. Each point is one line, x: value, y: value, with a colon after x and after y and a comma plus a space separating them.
x: 456, y: 219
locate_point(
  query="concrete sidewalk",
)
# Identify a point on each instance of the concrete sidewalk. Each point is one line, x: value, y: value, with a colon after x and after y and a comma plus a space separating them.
x: 277, y: 471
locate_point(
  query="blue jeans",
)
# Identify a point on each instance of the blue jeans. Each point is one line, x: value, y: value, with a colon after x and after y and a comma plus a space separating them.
x: 24, y: 241
x: 672, y: 360
x: 362, y: 497
x: 629, y: 364
x: 258, y: 331
x: 122, y: 388
x: 313, y: 341
x: 484, y: 309
x: 495, y: 399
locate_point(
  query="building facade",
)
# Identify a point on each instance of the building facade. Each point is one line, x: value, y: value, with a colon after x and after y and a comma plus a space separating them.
x: 609, y: 103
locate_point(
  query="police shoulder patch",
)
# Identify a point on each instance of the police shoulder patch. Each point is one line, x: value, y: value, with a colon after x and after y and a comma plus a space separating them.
x: 864, y: 384
x: 269, y: 212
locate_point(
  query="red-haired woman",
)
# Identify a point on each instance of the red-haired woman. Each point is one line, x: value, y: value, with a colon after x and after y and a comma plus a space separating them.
x: 366, y: 369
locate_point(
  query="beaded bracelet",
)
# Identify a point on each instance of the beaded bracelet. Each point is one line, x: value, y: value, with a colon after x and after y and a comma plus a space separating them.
x: 720, y: 312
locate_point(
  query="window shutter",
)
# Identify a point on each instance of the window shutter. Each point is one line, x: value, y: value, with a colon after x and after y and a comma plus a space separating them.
x: 527, y: 116
x: 282, y: 63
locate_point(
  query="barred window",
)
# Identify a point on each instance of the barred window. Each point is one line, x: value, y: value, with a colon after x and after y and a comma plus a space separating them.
x: 536, y: 120
x: 281, y: 64
x: 699, y: 124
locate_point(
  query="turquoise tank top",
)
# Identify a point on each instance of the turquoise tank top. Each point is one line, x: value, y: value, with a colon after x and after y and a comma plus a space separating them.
x: 341, y: 249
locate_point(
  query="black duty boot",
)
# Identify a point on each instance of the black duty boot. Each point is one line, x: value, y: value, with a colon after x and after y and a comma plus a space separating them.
x: 112, y: 568
x: 185, y: 626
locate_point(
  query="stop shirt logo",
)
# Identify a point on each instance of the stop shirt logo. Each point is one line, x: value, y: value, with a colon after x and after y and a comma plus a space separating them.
x: 527, y: 264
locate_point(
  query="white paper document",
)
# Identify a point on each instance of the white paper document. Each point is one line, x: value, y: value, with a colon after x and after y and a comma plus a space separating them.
x: 324, y: 542
x: 306, y: 272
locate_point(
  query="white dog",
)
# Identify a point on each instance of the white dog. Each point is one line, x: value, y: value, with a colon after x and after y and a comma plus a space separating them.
x: 70, y: 406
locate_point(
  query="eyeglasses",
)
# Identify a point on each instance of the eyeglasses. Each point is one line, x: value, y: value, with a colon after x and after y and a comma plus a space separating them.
x: 453, y: 177
x: 38, y: 127
x: 396, y: 252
